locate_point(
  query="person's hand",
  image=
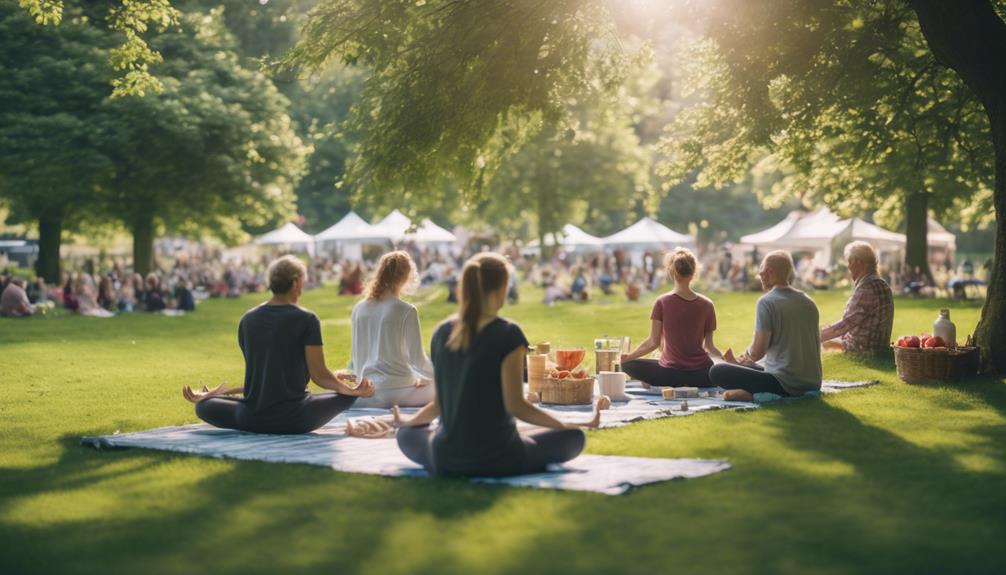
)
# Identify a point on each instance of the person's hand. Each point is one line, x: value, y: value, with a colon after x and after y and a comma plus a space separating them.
x: 420, y: 382
x: 728, y: 356
x: 624, y: 358
x: 197, y: 396
x: 745, y: 359
x: 396, y: 417
x: 362, y: 389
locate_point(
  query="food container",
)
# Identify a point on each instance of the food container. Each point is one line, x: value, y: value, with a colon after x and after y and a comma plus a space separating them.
x: 612, y: 384
x: 536, y: 364
x: 568, y: 359
x: 605, y: 360
x: 921, y: 365
x: 568, y: 391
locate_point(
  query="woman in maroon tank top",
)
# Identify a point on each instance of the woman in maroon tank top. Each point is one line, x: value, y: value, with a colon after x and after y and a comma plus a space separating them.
x: 682, y: 326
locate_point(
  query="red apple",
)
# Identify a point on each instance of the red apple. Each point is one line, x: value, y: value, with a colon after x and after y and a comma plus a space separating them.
x: 925, y: 337
x: 935, y: 341
x: 913, y: 341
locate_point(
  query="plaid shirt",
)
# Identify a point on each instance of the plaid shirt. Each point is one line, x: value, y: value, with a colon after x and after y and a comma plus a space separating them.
x: 868, y: 319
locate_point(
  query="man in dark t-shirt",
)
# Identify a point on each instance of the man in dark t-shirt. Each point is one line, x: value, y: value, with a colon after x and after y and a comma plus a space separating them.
x: 282, y: 346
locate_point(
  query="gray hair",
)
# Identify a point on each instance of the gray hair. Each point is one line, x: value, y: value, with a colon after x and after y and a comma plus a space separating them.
x: 781, y: 264
x: 862, y: 252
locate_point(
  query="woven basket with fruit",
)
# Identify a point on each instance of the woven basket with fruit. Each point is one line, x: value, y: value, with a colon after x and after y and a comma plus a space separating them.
x: 568, y: 383
x: 925, y: 358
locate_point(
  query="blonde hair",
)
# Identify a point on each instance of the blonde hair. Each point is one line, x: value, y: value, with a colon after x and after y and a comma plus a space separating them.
x: 681, y: 262
x: 483, y: 274
x: 283, y: 272
x: 395, y: 270
x: 863, y: 253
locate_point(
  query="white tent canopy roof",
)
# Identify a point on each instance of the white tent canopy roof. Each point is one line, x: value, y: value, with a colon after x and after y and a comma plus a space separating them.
x: 289, y: 234
x: 430, y: 233
x: 648, y: 233
x: 351, y: 228
x: 938, y: 236
x: 571, y: 238
x: 393, y: 226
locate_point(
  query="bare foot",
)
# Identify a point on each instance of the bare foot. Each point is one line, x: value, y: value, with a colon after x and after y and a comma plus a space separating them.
x: 737, y: 395
x: 369, y: 428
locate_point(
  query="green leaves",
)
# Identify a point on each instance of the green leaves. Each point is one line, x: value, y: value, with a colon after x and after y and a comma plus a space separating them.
x: 45, y: 12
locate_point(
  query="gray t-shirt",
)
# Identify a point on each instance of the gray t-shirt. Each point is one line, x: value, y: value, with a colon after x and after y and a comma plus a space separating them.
x: 794, y: 349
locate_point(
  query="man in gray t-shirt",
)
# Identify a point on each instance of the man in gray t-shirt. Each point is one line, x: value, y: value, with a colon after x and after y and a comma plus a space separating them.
x: 786, y: 342
x: 790, y: 319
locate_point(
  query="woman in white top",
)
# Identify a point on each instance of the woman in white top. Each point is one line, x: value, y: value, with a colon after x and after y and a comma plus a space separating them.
x: 387, y: 343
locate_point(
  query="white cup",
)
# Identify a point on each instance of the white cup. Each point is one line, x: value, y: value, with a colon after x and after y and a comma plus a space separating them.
x: 612, y: 384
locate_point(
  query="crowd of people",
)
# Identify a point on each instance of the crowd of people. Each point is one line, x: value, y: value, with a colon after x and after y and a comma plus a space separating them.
x: 473, y: 378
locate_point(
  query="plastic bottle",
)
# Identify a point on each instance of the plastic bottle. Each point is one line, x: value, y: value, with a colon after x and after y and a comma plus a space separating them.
x: 946, y: 329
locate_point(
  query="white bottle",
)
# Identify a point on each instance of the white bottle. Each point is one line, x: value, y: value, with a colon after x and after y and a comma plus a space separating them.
x: 946, y: 329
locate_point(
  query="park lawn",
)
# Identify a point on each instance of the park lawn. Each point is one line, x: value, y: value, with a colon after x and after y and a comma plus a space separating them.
x: 882, y: 480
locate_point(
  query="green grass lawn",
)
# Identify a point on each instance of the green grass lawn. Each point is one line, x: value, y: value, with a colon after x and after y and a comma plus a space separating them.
x: 888, y: 479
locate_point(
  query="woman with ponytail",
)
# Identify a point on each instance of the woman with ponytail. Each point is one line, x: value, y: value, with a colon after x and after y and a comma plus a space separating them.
x: 478, y: 360
x: 387, y: 342
x: 681, y: 325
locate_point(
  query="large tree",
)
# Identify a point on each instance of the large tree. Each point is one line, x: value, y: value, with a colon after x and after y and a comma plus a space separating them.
x: 846, y: 100
x: 215, y: 150
x: 451, y: 74
x: 969, y: 36
x: 52, y: 135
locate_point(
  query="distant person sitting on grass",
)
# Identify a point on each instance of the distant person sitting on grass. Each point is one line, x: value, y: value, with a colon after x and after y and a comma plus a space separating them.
x: 869, y: 316
x: 681, y: 326
x: 282, y: 347
x: 786, y: 339
x: 14, y: 300
x: 153, y: 297
x: 478, y: 362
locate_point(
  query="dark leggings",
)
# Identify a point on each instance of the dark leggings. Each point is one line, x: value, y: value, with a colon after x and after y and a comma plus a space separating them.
x: 540, y: 449
x: 731, y: 376
x: 650, y: 371
x: 315, y: 411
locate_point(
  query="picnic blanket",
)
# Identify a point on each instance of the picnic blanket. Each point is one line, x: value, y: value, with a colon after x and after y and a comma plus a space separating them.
x: 331, y: 447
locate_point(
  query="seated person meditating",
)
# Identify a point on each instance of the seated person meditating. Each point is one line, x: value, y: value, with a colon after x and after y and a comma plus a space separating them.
x: 869, y: 316
x: 14, y: 300
x: 478, y: 364
x: 786, y: 338
x: 281, y: 343
x: 681, y: 325
x: 387, y: 342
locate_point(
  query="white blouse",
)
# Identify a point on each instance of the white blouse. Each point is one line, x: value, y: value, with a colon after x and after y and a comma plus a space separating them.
x: 387, y: 344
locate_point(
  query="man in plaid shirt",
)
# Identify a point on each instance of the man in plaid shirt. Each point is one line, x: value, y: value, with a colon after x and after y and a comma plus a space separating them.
x: 869, y: 316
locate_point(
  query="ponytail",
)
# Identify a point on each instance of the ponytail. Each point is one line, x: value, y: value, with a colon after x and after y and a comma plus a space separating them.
x: 482, y: 275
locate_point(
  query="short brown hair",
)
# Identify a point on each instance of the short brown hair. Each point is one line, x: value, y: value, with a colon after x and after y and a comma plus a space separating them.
x: 283, y: 272
x: 682, y: 261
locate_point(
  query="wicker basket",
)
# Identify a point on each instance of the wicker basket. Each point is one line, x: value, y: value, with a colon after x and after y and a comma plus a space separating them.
x: 568, y: 391
x: 919, y: 365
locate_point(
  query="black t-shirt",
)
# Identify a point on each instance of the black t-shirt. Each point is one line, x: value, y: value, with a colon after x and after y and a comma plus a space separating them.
x: 477, y: 434
x: 272, y: 339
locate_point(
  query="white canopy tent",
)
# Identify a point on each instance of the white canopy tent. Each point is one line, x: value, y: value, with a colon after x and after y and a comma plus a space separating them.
x: 939, y: 237
x: 287, y: 235
x: 429, y: 233
x: 822, y: 232
x: 394, y: 226
x: 647, y: 234
x: 349, y: 236
x: 571, y: 238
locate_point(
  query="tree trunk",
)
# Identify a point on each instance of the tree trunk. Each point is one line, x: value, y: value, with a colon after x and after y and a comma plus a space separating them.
x: 143, y: 244
x: 50, y: 237
x: 968, y: 36
x: 916, y: 230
